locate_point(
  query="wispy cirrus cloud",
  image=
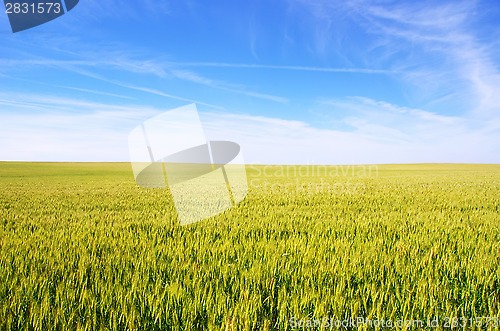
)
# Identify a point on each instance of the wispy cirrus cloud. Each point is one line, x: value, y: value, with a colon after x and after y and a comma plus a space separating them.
x: 54, y: 103
x: 286, y: 67
x: 166, y: 95
x: 381, y: 120
x: 432, y: 46
x: 350, y: 54
x: 447, y: 30
x: 196, y: 78
x: 143, y: 67
x: 444, y: 29
x: 95, y: 92
x: 37, y: 127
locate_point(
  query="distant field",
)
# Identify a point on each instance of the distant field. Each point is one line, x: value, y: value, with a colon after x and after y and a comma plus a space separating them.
x: 82, y: 247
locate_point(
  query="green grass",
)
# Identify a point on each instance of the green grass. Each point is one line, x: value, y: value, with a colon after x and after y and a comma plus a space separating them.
x: 82, y: 247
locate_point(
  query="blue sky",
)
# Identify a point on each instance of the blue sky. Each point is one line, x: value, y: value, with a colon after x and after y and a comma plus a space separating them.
x: 291, y: 81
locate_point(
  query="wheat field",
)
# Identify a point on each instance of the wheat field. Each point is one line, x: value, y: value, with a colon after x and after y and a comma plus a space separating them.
x: 82, y: 247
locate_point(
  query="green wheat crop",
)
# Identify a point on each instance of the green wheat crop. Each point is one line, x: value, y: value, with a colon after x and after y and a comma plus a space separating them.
x: 82, y: 247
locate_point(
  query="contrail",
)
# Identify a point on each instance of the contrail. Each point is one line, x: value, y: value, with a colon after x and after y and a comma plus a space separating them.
x: 280, y: 67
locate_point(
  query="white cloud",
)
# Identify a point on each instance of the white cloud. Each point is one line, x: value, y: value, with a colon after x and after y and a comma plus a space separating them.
x: 98, y: 132
x: 198, y: 79
x: 436, y: 47
x: 149, y: 67
x: 461, y: 70
x: 391, y: 134
x: 446, y: 30
x: 285, y: 67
